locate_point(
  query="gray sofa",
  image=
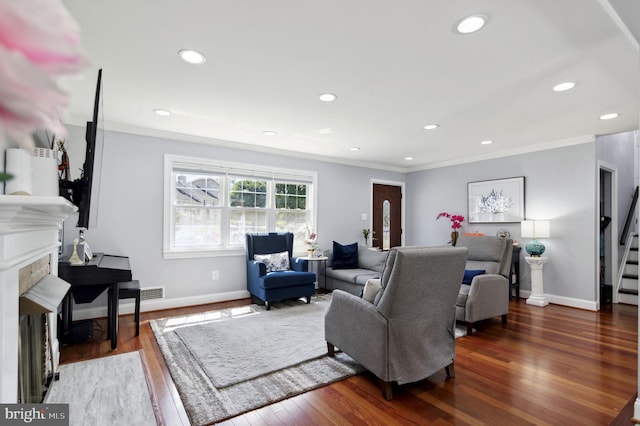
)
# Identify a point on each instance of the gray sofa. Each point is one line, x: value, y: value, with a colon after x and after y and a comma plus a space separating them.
x: 370, y: 265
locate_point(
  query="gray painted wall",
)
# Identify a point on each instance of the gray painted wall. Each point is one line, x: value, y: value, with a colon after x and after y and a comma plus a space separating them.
x: 618, y: 150
x: 559, y: 186
x: 130, y: 217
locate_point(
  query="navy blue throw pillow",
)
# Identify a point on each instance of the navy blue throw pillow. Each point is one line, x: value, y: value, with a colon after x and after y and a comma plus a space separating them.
x: 470, y: 273
x: 344, y: 257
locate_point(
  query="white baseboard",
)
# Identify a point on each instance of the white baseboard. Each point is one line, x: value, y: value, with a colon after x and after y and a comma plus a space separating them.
x: 565, y: 301
x: 156, y: 305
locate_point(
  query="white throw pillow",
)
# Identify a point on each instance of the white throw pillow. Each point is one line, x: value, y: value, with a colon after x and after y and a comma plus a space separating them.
x: 371, y: 289
x: 274, y: 261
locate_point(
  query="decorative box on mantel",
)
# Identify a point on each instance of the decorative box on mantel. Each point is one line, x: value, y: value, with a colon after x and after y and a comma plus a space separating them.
x: 29, y: 229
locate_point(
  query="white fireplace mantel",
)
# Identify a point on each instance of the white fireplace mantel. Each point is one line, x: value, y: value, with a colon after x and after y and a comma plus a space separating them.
x: 23, y: 212
x: 29, y: 227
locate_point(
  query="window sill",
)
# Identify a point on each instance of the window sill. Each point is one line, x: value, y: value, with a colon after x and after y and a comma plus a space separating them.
x: 194, y: 254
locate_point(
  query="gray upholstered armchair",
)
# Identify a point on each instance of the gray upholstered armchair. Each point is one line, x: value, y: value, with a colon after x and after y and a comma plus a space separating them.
x: 485, y: 295
x: 408, y: 332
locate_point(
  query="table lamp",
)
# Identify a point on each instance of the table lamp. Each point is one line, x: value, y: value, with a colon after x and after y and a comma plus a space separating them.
x: 534, y: 229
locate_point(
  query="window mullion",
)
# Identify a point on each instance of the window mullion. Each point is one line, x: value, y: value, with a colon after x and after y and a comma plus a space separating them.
x: 226, y: 214
x: 271, y: 196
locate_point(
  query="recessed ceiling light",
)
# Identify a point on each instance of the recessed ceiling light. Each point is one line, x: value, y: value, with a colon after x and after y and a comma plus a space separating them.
x: 192, y: 56
x: 325, y: 131
x: 269, y: 133
x: 562, y: 87
x: 470, y: 24
x: 162, y: 112
x: 431, y: 126
x: 328, y: 97
x: 354, y: 148
x: 487, y: 142
x: 408, y: 158
x: 609, y: 116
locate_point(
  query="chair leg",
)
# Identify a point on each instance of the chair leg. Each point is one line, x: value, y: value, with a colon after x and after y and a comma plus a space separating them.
x: 469, y: 328
x: 308, y: 299
x: 137, y: 314
x: 504, y: 319
x: 387, y: 390
x: 331, y: 350
x: 450, y: 370
x: 267, y: 305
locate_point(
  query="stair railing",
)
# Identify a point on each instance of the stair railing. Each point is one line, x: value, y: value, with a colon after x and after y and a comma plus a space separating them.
x: 630, y: 216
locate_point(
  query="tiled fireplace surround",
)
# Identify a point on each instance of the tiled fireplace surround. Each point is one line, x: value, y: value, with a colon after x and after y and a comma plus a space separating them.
x: 28, y: 231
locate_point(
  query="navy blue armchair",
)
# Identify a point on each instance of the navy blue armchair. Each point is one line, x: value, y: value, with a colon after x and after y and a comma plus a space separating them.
x: 275, y: 275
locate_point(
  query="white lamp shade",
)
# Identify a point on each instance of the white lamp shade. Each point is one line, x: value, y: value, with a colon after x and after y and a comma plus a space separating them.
x: 535, y: 228
x: 541, y: 229
x: 526, y: 228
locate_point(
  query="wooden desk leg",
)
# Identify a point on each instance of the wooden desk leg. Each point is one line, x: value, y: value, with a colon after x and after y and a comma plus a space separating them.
x: 109, y: 314
x: 67, y: 314
x: 113, y: 318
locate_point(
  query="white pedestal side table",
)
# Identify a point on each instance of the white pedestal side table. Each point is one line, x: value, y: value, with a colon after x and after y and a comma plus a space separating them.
x: 537, y: 297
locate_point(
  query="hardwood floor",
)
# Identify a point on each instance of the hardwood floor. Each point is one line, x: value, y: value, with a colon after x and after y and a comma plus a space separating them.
x: 549, y: 366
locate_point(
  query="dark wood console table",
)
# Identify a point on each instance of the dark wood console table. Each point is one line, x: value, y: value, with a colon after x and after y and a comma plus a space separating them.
x: 88, y: 281
x: 515, y: 269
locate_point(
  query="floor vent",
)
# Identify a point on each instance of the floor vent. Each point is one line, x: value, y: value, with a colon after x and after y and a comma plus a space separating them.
x: 150, y: 293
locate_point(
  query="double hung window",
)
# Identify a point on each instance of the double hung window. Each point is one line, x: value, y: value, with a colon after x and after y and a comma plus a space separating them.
x: 211, y: 205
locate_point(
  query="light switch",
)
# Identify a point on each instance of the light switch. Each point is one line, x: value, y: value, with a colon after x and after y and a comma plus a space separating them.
x: 364, y: 216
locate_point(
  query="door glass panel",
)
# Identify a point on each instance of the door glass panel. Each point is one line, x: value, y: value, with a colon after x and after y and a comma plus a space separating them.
x: 386, y: 225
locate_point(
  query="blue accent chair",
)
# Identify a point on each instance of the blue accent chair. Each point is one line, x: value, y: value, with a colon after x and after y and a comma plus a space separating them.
x: 273, y: 286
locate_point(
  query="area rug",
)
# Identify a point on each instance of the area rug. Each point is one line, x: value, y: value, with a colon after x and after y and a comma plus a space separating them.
x: 268, y: 342
x: 105, y: 391
x: 228, y: 362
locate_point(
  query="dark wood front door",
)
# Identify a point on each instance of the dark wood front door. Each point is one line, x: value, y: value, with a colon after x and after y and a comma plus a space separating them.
x: 387, y: 216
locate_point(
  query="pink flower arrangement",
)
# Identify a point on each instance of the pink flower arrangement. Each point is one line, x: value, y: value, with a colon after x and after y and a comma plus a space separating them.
x: 456, y: 220
x: 312, y: 240
x: 39, y: 42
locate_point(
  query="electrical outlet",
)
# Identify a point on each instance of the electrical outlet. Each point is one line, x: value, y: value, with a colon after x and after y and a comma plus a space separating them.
x: 215, y: 275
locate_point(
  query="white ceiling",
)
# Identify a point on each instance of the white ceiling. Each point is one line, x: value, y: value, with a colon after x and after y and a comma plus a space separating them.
x: 395, y: 66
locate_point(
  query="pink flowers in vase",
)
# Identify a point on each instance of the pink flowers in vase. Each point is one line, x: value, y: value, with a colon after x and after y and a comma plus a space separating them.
x: 39, y: 42
x: 312, y: 241
x: 456, y: 220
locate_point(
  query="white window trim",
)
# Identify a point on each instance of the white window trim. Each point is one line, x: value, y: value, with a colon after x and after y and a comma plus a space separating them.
x: 205, y: 164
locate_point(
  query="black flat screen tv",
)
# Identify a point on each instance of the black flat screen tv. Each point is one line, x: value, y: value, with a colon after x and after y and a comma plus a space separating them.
x: 79, y: 191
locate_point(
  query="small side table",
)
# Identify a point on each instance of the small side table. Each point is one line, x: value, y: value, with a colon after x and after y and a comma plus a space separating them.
x: 515, y: 269
x: 537, y: 297
x: 322, y: 259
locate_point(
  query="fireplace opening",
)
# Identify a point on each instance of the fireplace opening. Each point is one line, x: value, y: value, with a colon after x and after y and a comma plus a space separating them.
x: 40, y: 299
x: 34, y: 372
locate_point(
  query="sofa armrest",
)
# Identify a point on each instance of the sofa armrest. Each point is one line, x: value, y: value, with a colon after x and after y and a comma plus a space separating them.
x: 488, y: 296
x: 299, y: 264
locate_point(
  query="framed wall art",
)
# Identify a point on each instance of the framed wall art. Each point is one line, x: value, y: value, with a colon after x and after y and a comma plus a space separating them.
x: 496, y: 201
